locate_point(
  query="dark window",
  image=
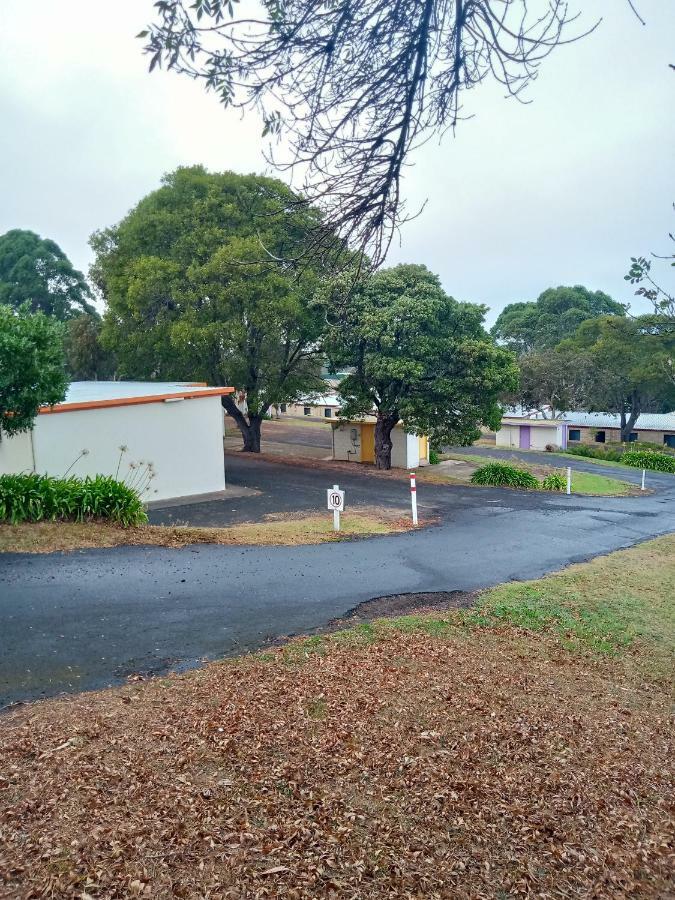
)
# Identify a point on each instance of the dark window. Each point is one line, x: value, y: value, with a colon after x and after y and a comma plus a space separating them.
x: 669, y: 440
x: 575, y: 434
x: 600, y: 437
x: 632, y: 436
x: 327, y: 413
x: 283, y: 407
x: 307, y: 410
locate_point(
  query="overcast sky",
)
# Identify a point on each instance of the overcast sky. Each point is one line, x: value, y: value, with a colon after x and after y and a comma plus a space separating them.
x: 561, y: 191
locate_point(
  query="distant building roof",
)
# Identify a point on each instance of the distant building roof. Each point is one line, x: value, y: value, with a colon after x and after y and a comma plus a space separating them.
x: 323, y: 400
x: 646, y: 422
x: 93, y: 394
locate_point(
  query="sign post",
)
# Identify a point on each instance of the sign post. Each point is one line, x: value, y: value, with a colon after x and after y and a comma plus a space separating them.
x: 569, y: 479
x: 336, y: 502
x: 413, y: 497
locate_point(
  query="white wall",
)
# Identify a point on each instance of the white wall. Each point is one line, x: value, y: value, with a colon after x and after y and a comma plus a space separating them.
x: 16, y: 454
x: 543, y: 435
x: 182, y: 439
x: 344, y: 447
x: 508, y: 436
x: 405, y: 452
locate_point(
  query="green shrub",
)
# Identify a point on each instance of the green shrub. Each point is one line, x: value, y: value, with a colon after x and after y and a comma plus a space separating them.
x: 434, y: 458
x: 36, y: 498
x: 649, y: 459
x: 600, y: 452
x: 554, y: 482
x: 504, y: 475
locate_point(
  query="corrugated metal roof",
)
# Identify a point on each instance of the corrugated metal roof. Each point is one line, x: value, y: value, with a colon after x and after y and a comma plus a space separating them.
x: 94, y: 391
x: 98, y: 394
x: 646, y: 422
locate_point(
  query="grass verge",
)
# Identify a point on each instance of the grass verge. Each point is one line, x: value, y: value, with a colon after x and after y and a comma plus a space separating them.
x: 586, y: 483
x: 46, y: 537
x: 476, y: 755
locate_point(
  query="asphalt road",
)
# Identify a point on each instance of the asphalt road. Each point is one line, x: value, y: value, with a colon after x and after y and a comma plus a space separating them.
x: 86, y: 619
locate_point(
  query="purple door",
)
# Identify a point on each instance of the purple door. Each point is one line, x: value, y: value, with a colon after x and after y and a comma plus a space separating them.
x: 524, y: 437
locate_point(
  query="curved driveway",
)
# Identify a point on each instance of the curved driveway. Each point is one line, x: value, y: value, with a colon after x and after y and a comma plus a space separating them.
x: 73, y: 621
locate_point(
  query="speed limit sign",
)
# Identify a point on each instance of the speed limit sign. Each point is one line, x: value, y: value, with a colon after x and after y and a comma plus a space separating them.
x: 336, y: 499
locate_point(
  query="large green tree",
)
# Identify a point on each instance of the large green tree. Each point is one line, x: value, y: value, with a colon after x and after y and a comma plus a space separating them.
x: 418, y: 356
x: 199, y: 286
x: 553, y: 381
x: 86, y: 358
x: 32, y: 370
x: 553, y: 316
x: 627, y: 371
x: 36, y: 271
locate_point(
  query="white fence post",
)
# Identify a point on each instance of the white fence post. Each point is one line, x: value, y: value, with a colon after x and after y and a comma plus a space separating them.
x: 569, y: 479
x: 642, y: 486
x: 413, y: 497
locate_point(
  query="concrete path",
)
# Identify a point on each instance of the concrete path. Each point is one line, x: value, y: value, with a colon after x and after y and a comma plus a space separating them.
x: 86, y: 619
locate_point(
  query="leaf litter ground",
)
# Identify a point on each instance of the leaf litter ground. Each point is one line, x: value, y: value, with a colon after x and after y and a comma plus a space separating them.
x: 399, y: 760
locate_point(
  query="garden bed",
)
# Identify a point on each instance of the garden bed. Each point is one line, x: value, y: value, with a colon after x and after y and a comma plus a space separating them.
x: 296, y: 528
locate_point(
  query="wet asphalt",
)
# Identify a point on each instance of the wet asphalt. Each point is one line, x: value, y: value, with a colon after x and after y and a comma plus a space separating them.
x: 87, y: 619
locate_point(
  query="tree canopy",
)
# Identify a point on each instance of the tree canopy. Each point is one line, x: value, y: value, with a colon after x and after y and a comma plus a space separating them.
x: 418, y: 356
x: 553, y: 381
x: 198, y: 287
x: 628, y: 370
x: 356, y: 85
x: 86, y: 358
x: 553, y: 316
x: 32, y: 371
x: 36, y: 271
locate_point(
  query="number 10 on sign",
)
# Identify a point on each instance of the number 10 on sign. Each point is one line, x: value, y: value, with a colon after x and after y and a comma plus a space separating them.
x: 336, y: 502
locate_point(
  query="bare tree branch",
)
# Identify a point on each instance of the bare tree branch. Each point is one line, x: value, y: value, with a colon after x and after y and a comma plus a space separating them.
x: 354, y: 86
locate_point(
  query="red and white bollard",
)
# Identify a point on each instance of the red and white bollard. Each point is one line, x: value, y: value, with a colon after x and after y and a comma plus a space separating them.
x: 413, y: 497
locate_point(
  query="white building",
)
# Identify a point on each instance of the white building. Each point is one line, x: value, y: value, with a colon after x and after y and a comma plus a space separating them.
x: 354, y: 441
x: 326, y: 406
x: 522, y: 433
x: 131, y: 430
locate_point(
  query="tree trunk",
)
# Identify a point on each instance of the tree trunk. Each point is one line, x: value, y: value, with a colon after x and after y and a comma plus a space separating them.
x: 628, y: 422
x: 383, y: 444
x: 249, y: 428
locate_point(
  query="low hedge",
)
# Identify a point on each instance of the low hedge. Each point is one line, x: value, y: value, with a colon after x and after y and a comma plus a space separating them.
x: 610, y: 453
x: 36, y: 498
x: 500, y: 474
x: 649, y: 459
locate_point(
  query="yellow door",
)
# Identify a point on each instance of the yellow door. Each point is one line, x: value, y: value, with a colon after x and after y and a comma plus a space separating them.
x: 423, y: 442
x: 368, y: 442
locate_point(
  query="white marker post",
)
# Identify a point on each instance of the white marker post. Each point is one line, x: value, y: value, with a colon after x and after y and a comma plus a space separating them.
x: 569, y: 479
x: 413, y: 497
x: 642, y: 486
x: 336, y: 502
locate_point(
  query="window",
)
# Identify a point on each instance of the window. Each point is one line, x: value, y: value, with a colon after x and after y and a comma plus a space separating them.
x: 327, y: 412
x: 669, y: 440
x: 633, y: 436
x: 600, y: 437
x: 282, y: 408
x: 307, y: 410
x: 574, y: 434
